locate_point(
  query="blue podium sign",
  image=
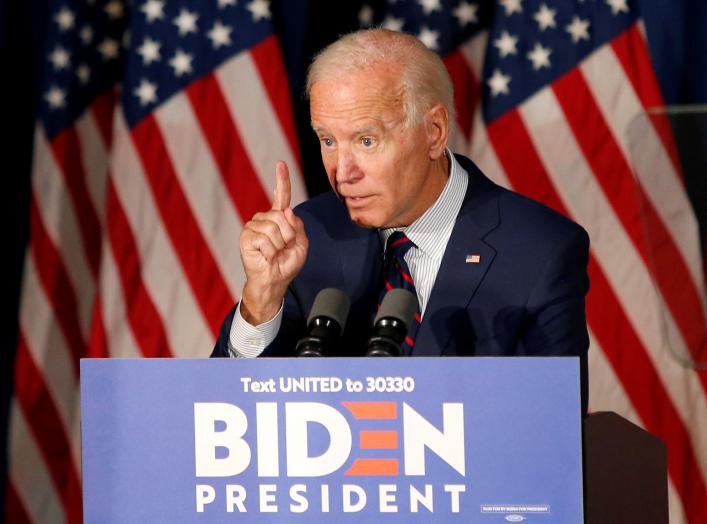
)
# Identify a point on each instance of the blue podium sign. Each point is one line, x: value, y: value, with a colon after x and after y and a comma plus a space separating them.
x: 332, y: 440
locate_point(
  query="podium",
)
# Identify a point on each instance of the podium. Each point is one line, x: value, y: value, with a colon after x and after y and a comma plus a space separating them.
x: 332, y: 440
x: 625, y: 472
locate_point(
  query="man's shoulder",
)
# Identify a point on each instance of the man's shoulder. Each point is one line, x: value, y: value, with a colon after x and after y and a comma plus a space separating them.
x: 532, y: 213
x: 518, y: 212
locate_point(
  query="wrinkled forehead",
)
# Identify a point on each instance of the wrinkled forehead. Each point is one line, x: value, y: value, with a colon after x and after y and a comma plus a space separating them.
x: 370, y: 92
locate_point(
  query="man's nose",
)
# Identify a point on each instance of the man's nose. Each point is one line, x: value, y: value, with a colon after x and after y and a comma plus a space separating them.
x: 346, y: 168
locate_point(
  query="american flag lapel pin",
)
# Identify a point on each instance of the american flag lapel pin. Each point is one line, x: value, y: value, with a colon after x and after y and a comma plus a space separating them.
x: 473, y: 259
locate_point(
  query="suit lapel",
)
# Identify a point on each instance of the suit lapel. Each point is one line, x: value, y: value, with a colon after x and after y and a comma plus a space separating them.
x: 466, y: 261
x: 361, y: 251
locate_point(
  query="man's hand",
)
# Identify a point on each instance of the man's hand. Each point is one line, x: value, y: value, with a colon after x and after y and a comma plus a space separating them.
x: 273, y: 249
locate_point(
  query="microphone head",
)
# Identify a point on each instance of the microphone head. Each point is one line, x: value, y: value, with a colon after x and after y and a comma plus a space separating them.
x: 398, y: 303
x: 332, y: 303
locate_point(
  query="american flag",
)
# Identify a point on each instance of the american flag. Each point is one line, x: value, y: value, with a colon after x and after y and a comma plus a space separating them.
x: 157, y: 135
x: 555, y: 99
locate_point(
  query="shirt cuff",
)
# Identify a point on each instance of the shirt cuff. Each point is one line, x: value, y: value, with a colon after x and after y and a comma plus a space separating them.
x: 249, y: 341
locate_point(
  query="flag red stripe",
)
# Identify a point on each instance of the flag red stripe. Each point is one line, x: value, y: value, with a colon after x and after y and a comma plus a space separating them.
x: 607, y: 319
x: 143, y: 317
x: 103, y: 109
x: 267, y: 58
x: 98, y: 341
x: 15, y: 511
x: 200, y: 268
x: 633, y: 54
x: 43, y: 418
x: 57, y: 285
x: 633, y: 208
x: 466, y: 90
x: 67, y: 152
x: 230, y: 154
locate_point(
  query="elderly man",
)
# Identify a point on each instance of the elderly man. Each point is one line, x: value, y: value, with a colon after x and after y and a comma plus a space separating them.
x: 494, y: 272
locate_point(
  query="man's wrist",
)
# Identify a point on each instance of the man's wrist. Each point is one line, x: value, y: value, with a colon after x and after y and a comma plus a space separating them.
x: 257, y: 308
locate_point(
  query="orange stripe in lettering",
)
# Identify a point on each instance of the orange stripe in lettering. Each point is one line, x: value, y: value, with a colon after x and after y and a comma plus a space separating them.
x: 378, y: 439
x: 373, y: 467
x: 372, y: 410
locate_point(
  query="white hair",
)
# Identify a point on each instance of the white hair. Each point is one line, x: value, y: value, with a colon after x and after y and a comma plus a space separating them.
x: 424, y: 79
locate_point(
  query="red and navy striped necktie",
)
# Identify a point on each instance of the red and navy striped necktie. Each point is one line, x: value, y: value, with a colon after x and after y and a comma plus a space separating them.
x: 397, y: 275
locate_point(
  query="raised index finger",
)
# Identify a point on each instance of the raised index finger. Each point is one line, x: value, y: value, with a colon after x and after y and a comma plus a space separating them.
x: 283, y: 189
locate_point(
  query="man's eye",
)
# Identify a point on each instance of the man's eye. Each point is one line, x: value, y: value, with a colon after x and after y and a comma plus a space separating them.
x: 367, y: 141
x: 328, y: 142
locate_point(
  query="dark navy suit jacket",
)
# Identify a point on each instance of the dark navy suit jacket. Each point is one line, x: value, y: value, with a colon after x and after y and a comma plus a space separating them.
x: 525, y: 296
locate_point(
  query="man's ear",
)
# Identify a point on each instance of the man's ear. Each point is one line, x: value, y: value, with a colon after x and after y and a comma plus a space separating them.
x: 437, y: 130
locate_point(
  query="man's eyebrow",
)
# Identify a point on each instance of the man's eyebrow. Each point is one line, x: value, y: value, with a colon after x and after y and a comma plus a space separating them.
x: 367, y: 129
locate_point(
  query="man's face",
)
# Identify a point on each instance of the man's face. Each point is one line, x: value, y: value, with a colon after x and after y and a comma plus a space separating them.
x: 381, y: 168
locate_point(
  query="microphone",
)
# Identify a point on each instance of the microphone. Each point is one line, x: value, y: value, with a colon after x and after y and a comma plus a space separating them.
x: 391, y: 324
x: 325, y: 324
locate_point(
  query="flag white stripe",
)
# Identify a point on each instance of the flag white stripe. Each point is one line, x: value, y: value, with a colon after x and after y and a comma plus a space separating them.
x: 186, y: 328
x: 29, y: 474
x: 457, y: 141
x: 474, y: 51
x: 606, y: 392
x: 41, y: 331
x: 620, y: 106
x: 676, y: 510
x: 121, y: 342
x: 623, y: 267
x: 61, y: 224
x: 203, y: 187
x: 257, y: 124
x: 95, y: 161
x: 483, y: 153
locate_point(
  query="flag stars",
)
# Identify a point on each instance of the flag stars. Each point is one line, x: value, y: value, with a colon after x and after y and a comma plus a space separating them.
x: 146, y: 92
x: 83, y: 73
x: 498, y: 83
x: 149, y: 51
x: 115, y: 9
x: 393, y: 24
x: 223, y: 4
x: 181, y: 63
x: 430, y: 5
x: 506, y: 44
x: 65, y: 19
x: 578, y: 29
x: 545, y: 17
x: 55, y: 97
x: 86, y: 35
x: 60, y: 58
x: 153, y: 9
x: 617, y: 6
x: 365, y: 16
x: 220, y: 35
x: 512, y: 6
x: 186, y: 22
x: 429, y: 38
x: 109, y: 49
x: 539, y: 56
x: 259, y: 9
x: 466, y: 13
